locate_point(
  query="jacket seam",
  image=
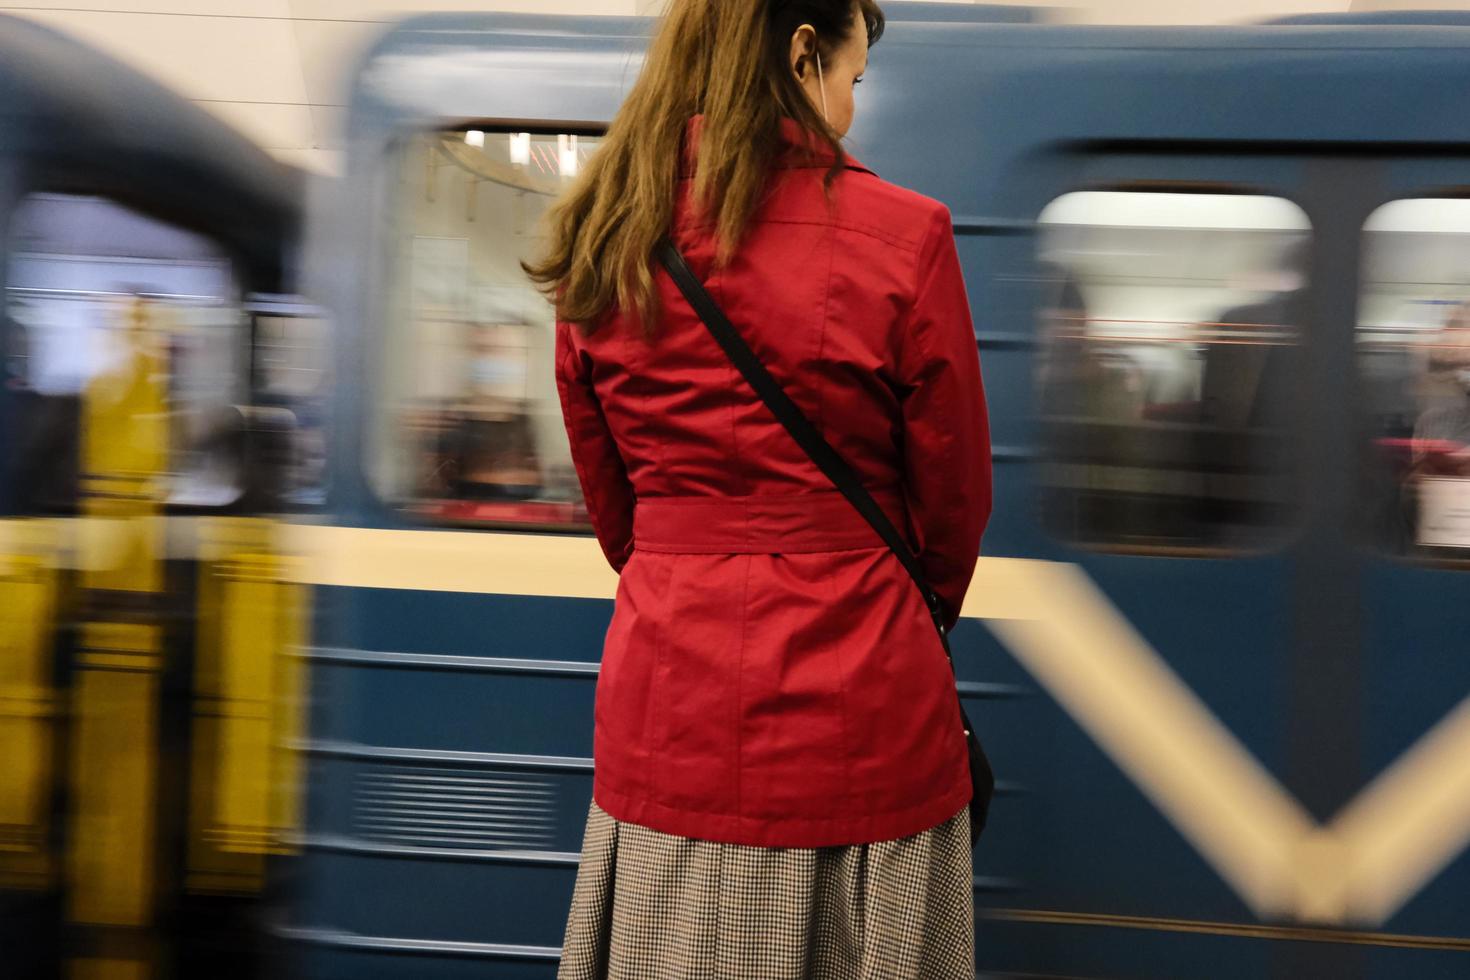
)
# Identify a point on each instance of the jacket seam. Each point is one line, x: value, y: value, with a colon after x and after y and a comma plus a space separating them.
x: 818, y: 390
x: 660, y: 444
x: 847, y: 781
x: 918, y: 290
x: 740, y: 694
x: 878, y: 234
x: 926, y: 356
x: 656, y: 712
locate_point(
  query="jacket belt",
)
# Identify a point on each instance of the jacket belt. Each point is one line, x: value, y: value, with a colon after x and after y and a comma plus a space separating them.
x: 759, y: 525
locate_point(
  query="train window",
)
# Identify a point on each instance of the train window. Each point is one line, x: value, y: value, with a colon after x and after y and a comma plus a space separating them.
x: 290, y: 372
x: 1170, y: 326
x: 1414, y: 365
x: 129, y: 351
x: 471, y: 430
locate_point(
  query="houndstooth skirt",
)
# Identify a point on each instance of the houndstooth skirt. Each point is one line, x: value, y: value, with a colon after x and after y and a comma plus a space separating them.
x: 650, y: 906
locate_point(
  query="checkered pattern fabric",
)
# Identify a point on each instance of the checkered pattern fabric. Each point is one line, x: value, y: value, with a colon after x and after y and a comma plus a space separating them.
x: 649, y: 906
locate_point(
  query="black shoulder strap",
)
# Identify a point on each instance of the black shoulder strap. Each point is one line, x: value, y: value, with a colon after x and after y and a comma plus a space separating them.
x: 836, y: 469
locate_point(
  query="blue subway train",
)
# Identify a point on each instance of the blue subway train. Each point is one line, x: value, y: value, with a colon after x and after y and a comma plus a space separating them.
x: 1221, y: 282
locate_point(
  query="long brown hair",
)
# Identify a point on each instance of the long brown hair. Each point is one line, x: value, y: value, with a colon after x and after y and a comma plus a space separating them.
x: 728, y: 61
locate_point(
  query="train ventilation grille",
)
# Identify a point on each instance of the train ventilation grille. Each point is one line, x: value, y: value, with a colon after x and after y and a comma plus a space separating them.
x: 461, y: 809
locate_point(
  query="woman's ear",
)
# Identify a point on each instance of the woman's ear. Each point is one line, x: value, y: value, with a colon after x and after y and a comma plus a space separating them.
x: 803, y: 50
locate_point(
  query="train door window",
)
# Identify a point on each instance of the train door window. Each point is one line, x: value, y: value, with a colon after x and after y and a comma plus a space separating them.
x: 290, y: 383
x: 129, y: 351
x: 1414, y: 366
x: 471, y: 430
x: 1170, y: 328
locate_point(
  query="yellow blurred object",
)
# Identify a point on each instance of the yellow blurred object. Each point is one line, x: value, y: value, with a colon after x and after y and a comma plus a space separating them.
x: 248, y: 698
x: 100, y: 969
x: 116, y: 690
x: 114, y: 748
x: 28, y: 586
x: 125, y: 437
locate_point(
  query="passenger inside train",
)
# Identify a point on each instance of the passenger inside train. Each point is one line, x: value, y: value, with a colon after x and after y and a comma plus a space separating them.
x: 1167, y: 398
x: 477, y: 434
x: 1442, y: 431
x: 1414, y: 357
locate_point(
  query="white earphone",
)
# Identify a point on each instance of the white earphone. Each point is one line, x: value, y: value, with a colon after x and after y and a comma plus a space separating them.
x: 822, y: 84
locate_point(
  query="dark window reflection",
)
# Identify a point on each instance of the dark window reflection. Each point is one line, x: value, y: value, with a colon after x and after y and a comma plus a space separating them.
x: 291, y: 374
x: 1166, y: 376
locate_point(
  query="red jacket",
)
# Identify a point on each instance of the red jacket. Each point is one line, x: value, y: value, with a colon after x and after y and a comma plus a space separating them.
x: 771, y: 676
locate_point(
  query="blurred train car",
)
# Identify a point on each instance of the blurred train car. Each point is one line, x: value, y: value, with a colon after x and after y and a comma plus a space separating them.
x: 155, y: 408
x: 1215, y: 642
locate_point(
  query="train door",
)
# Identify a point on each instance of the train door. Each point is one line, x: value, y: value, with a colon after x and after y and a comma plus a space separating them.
x: 143, y: 593
x: 1284, y: 527
x: 1193, y: 461
x: 1406, y: 821
x: 1270, y: 502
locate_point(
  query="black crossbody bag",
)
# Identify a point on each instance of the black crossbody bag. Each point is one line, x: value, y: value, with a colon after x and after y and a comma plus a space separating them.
x: 843, y: 477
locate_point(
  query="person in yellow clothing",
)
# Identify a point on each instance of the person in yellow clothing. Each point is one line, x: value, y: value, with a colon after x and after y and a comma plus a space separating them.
x: 125, y: 413
x: 124, y: 466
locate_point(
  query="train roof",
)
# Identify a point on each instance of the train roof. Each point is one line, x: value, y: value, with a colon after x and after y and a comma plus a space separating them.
x: 1179, y: 83
x: 78, y: 120
x: 1403, y: 18
x: 1013, y: 96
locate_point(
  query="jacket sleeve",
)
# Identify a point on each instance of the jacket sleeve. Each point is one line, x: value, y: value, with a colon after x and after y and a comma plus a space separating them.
x: 946, y: 427
x: 604, y: 477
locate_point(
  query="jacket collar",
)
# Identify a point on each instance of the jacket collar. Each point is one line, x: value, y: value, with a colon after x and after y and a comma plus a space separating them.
x: 799, y: 148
